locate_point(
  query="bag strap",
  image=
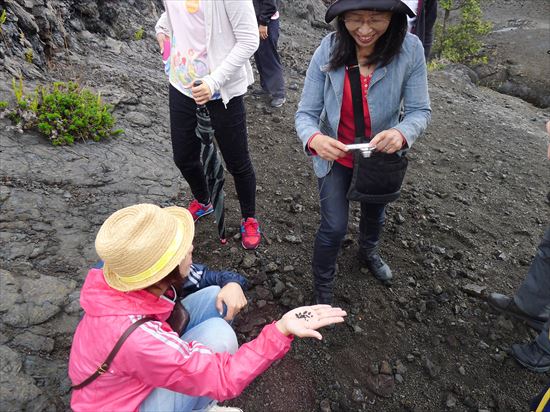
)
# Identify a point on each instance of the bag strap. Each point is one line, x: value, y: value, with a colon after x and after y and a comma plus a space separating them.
x: 357, y: 99
x: 105, y: 365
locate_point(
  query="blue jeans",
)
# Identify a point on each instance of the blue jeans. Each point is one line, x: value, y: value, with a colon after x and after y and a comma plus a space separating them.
x: 206, y: 326
x: 334, y: 226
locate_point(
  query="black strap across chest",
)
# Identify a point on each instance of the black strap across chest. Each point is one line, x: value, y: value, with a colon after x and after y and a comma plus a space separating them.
x: 354, y: 75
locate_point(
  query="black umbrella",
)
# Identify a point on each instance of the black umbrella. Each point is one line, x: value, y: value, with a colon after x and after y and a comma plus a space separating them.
x: 212, y: 166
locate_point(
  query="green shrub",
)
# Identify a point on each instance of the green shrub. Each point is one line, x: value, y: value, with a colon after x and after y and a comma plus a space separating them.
x: 64, y: 112
x: 138, y: 35
x: 3, y: 17
x: 435, y: 64
x: 461, y: 42
x: 29, y: 55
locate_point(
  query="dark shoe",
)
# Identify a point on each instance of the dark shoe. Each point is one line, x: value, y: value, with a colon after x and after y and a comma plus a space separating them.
x: 259, y: 92
x: 505, y: 304
x: 278, y: 101
x: 531, y: 356
x: 376, y: 266
x: 322, y: 298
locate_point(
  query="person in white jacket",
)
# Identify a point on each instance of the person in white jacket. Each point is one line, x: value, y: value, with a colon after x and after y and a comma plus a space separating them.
x: 212, y: 41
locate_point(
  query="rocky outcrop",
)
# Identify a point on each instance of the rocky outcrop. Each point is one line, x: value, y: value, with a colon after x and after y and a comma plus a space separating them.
x: 36, y: 31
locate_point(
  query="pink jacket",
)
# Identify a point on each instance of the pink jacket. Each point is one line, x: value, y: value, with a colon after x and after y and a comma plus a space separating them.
x: 154, y: 356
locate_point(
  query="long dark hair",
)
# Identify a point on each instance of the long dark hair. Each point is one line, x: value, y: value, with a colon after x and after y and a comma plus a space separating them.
x: 385, y: 49
x: 174, y: 278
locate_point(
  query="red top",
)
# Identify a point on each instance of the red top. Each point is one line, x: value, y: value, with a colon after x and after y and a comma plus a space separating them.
x: 346, y: 128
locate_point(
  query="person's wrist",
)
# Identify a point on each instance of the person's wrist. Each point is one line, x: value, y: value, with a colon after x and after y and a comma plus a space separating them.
x: 209, y: 81
x: 403, y: 140
x: 312, y: 140
x: 280, y: 325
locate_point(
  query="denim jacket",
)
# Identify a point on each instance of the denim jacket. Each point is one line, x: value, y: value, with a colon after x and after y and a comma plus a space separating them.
x: 403, y: 80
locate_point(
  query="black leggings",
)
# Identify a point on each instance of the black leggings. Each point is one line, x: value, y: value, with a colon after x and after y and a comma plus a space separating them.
x: 229, y: 126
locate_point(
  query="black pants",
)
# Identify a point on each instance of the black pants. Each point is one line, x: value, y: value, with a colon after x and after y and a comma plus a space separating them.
x: 268, y: 62
x: 231, y: 135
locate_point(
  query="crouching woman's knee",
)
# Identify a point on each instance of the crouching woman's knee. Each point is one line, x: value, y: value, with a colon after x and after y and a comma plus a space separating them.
x: 220, y: 337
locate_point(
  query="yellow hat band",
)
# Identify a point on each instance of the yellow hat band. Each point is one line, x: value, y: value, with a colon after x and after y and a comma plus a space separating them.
x: 159, y: 264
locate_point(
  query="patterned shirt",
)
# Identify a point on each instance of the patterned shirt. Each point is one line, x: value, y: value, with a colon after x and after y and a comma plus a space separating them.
x: 188, y: 54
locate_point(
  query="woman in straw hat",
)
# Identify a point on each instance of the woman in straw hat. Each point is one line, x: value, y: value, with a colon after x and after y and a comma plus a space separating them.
x: 147, y: 254
x: 371, y: 37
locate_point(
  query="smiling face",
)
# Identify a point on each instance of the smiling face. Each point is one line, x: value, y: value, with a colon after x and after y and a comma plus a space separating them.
x: 366, y: 27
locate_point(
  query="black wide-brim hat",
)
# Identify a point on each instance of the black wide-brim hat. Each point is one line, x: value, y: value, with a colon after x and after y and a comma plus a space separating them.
x: 341, y: 6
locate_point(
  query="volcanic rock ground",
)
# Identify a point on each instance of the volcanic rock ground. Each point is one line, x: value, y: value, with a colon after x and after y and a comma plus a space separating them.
x: 473, y: 209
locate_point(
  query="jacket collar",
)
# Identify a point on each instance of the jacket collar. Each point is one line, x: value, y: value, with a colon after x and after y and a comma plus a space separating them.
x: 337, y: 79
x: 97, y: 298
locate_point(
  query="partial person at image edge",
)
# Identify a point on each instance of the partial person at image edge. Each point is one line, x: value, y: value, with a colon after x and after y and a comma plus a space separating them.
x: 531, y: 304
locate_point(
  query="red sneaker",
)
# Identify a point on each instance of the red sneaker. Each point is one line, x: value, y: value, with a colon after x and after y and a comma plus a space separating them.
x: 199, y: 210
x: 250, y: 233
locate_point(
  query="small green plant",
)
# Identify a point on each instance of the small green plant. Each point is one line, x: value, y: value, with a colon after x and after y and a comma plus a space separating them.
x: 461, y: 42
x: 64, y: 112
x: 29, y: 55
x: 138, y: 35
x: 435, y: 64
x: 3, y: 17
x: 3, y: 105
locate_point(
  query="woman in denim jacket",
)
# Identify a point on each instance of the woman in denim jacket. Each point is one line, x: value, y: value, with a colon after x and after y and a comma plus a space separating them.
x: 393, y: 72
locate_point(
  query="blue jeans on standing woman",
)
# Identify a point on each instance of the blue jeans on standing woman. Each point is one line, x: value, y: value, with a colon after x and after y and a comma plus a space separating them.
x: 208, y: 327
x: 333, y: 189
x: 229, y: 124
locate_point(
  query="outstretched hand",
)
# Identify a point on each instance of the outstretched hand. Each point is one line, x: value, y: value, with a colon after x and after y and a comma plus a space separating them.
x: 304, y: 321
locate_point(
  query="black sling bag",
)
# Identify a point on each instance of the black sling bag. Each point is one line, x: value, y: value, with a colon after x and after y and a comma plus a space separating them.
x: 378, y: 178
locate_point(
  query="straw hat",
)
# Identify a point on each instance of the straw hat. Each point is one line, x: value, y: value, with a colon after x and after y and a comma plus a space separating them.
x: 142, y: 244
x: 342, y: 6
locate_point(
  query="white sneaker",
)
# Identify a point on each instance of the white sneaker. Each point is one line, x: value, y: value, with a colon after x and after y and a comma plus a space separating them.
x: 218, y: 408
